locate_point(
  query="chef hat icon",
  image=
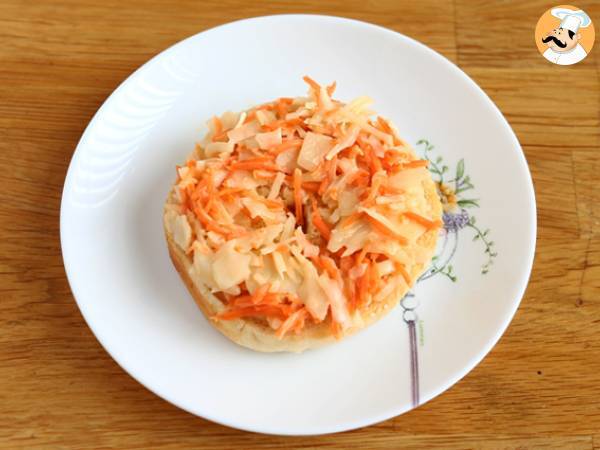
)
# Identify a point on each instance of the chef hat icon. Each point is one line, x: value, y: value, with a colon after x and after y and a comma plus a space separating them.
x: 571, y: 20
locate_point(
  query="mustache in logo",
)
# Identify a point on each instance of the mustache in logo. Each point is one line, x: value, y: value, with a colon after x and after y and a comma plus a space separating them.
x: 555, y: 40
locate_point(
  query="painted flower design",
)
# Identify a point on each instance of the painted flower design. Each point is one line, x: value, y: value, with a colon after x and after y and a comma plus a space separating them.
x: 447, y: 196
x: 454, y: 221
x: 453, y: 188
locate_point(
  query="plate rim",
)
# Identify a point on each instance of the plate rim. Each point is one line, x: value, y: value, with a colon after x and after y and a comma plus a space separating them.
x: 70, y: 271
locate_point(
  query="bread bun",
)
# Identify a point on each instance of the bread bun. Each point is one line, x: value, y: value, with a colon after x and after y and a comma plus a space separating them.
x: 261, y: 334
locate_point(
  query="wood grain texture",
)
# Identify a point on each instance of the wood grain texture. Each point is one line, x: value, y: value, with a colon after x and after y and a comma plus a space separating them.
x: 538, y: 388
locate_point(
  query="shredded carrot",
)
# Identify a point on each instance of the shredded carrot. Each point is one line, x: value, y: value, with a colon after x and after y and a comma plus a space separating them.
x: 288, y: 144
x: 282, y: 248
x: 311, y: 186
x: 259, y: 294
x: 260, y: 174
x: 346, y: 263
x: 241, y: 301
x: 230, y: 191
x: 272, y: 204
x: 297, y: 328
x: 318, y: 262
x: 220, y: 136
x: 356, y: 175
x: 317, y: 88
x: 331, y: 88
x: 318, y: 221
x: 336, y: 329
x: 282, y: 106
x: 332, y: 169
x: 266, y: 107
x: 218, y: 125
x: 373, y: 277
x: 385, y: 127
x: 427, y: 223
x: 322, y: 129
x: 253, y: 311
x: 294, y: 322
x: 332, y: 112
x: 351, y: 295
x: 185, y: 199
x: 391, y: 190
x: 402, y: 269
x: 373, y: 191
x: 360, y: 256
x: 250, y: 116
x: 349, y: 220
x: 209, y: 222
x: 210, y: 190
x: 414, y: 164
x: 323, y: 186
x: 330, y: 267
x: 312, y: 83
x: 298, y: 195
x: 372, y: 159
x: 361, y: 179
x: 381, y: 228
x: 363, y: 287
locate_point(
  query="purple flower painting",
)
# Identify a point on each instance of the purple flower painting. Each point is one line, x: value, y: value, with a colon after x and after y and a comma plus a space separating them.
x: 453, y: 188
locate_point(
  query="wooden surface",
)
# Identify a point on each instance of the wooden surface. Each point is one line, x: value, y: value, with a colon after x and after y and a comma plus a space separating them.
x: 538, y: 388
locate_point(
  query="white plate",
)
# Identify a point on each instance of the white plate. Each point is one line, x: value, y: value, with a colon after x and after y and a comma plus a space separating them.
x: 138, y: 308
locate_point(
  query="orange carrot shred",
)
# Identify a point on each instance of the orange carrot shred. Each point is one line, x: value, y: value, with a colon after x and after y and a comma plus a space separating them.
x: 259, y: 294
x: 298, y: 195
x: 363, y: 287
x: 317, y: 262
x: 349, y: 220
x: 429, y: 224
x: 252, y: 311
x: 218, y: 125
x: 361, y: 255
x: 402, y: 269
x: 373, y: 277
x: 330, y: 267
x: 312, y: 83
x: 336, y: 329
x: 381, y: 228
x: 318, y: 221
x: 311, y: 186
x: 294, y: 321
x: 250, y: 116
x: 291, y: 143
x: 414, y: 164
x: 331, y: 88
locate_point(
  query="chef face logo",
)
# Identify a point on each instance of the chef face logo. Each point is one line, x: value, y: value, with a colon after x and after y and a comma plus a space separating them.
x: 561, y: 40
x: 564, y: 35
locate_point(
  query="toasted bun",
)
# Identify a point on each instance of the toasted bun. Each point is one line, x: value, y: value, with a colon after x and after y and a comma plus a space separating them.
x: 258, y: 335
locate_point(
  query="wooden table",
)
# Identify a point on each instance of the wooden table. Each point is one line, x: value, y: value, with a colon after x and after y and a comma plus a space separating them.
x: 539, y: 387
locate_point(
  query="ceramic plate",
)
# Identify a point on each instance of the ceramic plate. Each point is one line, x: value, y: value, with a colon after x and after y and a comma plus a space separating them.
x: 132, y: 298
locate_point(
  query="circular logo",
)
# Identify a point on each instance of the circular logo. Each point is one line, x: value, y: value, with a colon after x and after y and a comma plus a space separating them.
x: 564, y: 35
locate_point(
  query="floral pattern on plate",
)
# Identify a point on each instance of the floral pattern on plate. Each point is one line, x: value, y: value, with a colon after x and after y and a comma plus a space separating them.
x: 455, y: 190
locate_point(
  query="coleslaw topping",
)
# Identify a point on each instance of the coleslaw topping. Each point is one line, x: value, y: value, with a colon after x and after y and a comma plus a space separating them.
x: 302, y: 210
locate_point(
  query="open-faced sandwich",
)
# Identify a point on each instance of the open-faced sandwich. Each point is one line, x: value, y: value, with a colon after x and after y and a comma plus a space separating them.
x: 300, y: 221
